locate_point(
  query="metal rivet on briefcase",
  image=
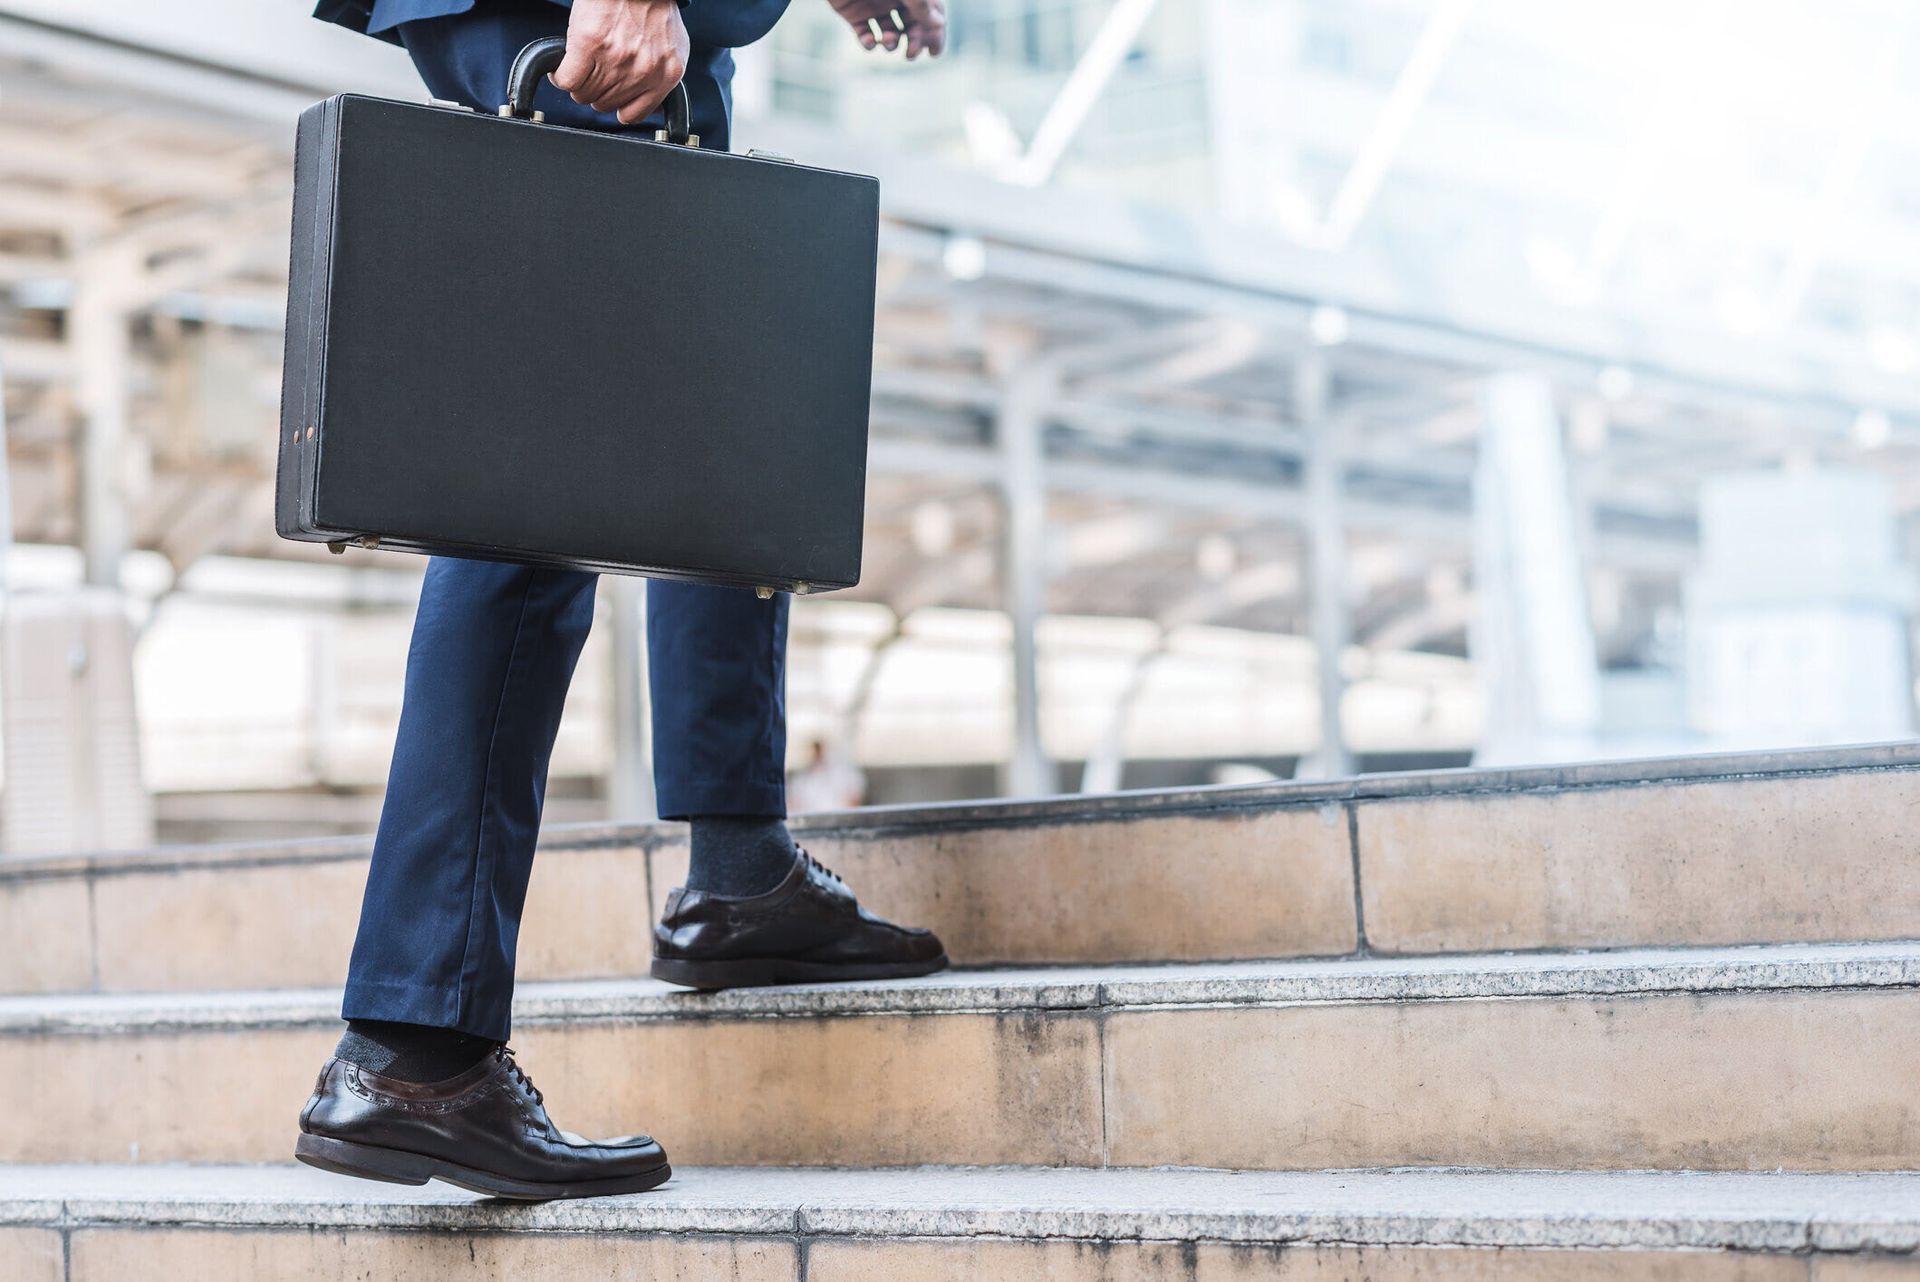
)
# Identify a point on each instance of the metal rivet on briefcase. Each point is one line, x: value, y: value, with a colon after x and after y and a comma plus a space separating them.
x: 516, y: 341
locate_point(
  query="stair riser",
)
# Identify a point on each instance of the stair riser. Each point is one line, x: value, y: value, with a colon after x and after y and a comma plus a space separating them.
x: 166, y: 1254
x: 1145, y: 889
x: 1809, y: 1080
x: 1791, y: 857
x: 1804, y: 858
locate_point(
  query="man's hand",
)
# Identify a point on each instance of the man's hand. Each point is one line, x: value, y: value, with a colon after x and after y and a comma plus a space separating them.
x: 623, y: 56
x: 922, y: 24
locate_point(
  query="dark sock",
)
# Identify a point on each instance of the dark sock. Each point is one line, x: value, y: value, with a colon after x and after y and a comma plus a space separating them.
x: 410, y: 1052
x: 739, y: 854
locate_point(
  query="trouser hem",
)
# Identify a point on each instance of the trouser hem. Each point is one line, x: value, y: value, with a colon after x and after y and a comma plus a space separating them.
x: 430, y: 1007
x: 686, y: 798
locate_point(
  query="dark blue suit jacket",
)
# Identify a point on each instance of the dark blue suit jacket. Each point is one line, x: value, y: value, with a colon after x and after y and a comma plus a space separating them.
x: 720, y: 24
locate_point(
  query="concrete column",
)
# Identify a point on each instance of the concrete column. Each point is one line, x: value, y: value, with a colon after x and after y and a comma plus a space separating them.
x: 72, y: 744
x: 1327, y: 543
x: 630, y: 796
x: 103, y: 362
x: 1023, y: 567
x: 6, y: 500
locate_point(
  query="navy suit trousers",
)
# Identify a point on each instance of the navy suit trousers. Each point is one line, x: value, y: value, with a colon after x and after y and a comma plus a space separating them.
x: 494, y: 647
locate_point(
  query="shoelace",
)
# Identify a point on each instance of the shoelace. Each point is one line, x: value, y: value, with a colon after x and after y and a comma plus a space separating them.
x: 505, y: 1053
x: 819, y: 867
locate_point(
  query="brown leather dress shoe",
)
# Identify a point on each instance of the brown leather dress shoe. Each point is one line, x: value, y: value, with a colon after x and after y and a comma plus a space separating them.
x: 808, y: 929
x: 484, y: 1130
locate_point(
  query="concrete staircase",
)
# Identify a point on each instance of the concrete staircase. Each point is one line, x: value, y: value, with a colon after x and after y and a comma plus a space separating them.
x: 1637, y: 1020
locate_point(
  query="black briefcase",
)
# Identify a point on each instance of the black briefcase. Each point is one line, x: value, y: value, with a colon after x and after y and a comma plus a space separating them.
x: 515, y: 341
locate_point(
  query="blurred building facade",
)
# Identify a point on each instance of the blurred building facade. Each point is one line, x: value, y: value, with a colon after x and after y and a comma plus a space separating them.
x: 1263, y: 386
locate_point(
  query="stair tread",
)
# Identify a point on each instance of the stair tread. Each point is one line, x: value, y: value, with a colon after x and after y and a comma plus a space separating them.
x: 1679, y: 770
x: 1773, y: 1211
x: 1767, y: 967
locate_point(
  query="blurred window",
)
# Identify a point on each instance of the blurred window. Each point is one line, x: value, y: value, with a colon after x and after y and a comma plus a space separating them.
x: 1326, y: 46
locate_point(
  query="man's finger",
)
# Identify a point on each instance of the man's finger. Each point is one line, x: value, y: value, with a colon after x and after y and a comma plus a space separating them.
x: 600, y: 77
x: 642, y: 105
x: 937, y: 21
x: 926, y: 25
x: 575, y: 67
x: 646, y: 91
x: 597, y: 86
x: 863, y: 31
x: 620, y: 91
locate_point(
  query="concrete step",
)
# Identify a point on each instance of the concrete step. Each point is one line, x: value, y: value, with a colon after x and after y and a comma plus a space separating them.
x: 1800, y: 1057
x: 1767, y: 848
x: 92, y: 1224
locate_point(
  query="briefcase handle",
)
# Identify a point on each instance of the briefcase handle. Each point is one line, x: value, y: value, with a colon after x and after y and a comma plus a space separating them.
x: 542, y: 56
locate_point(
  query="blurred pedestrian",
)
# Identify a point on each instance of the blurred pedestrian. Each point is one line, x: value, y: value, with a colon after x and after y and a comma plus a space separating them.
x: 829, y: 781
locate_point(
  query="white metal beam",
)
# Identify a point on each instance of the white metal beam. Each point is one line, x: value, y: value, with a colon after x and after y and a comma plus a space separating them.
x: 1409, y: 92
x: 1082, y: 90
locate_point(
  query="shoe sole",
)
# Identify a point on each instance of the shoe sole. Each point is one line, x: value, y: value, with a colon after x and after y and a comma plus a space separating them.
x: 395, y: 1166
x: 762, y: 972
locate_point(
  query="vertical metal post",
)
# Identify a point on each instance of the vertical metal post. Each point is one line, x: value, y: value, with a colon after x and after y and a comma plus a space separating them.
x: 855, y: 709
x: 323, y: 696
x: 1327, y: 544
x: 1023, y: 566
x: 1532, y: 637
x: 1108, y: 759
x: 630, y: 797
